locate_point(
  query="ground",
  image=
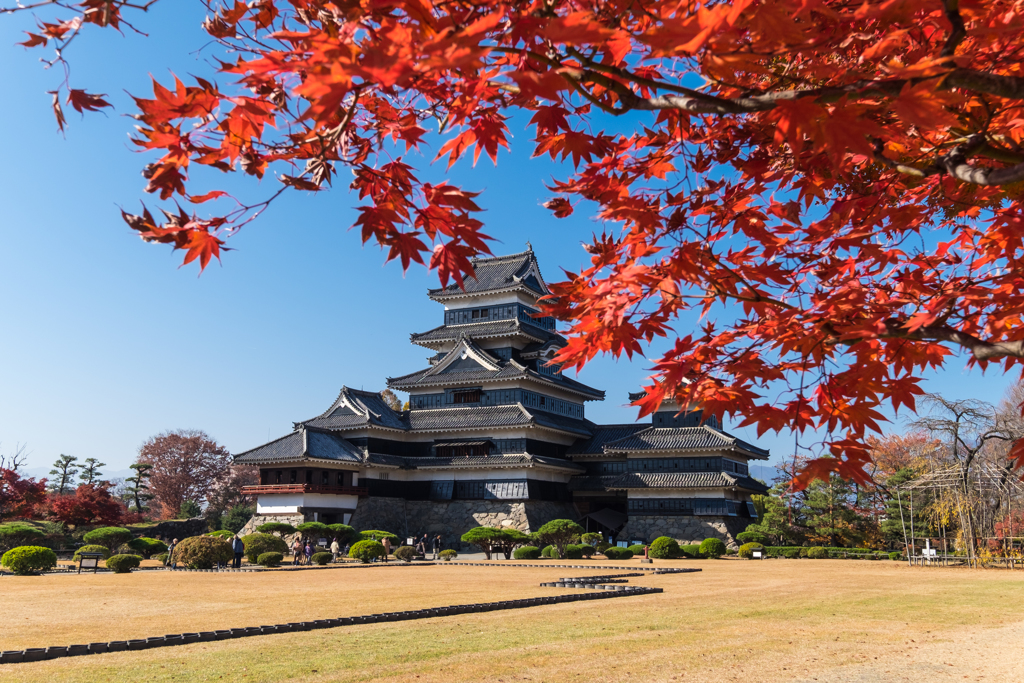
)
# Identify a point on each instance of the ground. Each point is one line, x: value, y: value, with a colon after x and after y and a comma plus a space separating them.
x: 775, y: 620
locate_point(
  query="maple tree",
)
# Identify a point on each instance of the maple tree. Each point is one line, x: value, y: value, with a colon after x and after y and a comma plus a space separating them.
x: 19, y: 496
x: 186, y: 466
x: 89, y: 504
x: 832, y: 187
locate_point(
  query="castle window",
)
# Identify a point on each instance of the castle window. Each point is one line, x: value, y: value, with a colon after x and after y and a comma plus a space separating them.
x: 471, y: 396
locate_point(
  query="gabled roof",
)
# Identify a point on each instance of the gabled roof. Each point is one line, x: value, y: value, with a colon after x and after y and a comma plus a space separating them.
x: 603, y: 434
x: 491, y: 329
x: 354, y: 408
x: 515, y: 272
x: 514, y: 460
x: 467, y: 363
x: 302, y: 444
x: 684, y: 480
x: 702, y: 438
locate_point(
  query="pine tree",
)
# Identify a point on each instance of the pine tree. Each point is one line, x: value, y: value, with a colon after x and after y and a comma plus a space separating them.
x: 64, y: 471
x: 91, y: 471
x: 138, y: 486
x: 829, y: 511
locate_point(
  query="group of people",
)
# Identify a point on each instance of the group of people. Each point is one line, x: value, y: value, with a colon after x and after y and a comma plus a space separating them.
x: 426, y: 542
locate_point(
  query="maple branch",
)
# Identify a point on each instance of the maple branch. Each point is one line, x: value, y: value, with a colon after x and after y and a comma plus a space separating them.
x: 959, y: 30
x: 981, y: 349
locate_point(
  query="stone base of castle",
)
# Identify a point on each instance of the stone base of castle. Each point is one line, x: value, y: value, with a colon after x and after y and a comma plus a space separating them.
x: 685, y: 529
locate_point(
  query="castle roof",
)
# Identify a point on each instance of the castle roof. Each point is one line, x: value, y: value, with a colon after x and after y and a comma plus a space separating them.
x: 603, y: 434
x: 515, y: 272
x: 354, y: 408
x: 703, y: 437
x: 489, y: 329
x: 514, y: 460
x: 302, y: 444
x: 684, y: 480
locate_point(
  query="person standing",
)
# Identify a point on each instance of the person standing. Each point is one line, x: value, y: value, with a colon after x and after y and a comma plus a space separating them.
x: 437, y: 545
x: 296, y: 552
x: 309, y: 552
x: 239, y: 549
x: 171, y: 562
x: 335, y: 549
x: 386, y: 542
x: 424, y: 542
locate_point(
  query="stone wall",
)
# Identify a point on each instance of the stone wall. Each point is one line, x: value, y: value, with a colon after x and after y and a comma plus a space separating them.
x: 177, y: 528
x: 378, y: 512
x: 257, y: 520
x: 685, y: 529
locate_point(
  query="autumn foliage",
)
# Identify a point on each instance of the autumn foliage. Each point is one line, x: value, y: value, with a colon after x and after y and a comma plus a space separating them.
x: 89, y: 504
x: 187, y: 465
x: 19, y: 496
x: 833, y: 188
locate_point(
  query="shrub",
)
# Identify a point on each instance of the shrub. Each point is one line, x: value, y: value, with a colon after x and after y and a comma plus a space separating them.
x: 344, y: 533
x: 751, y: 536
x: 731, y: 551
x: 91, y: 549
x: 29, y: 559
x: 122, y: 564
x: 601, y: 547
x: 588, y: 551
x: 257, y: 544
x: 527, y: 552
x: 14, y: 534
x: 484, y: 538
x: 162, y: 558
x: 203, y: 552
x: 109, y: 536
x: 406, y: 553
x: 547, y: 550
x: 573, y: 552
x: 366, y: 551
x: 691, y: 551
x: 637, y: 549
x: 791, y: 554
x: 320, y: 558
x: 222, y: 533
x: 803, y: 552
x: 712, y: 547
x: 147, y: 546
x: 269, y: 559
x: 664, y: 548
x: 377, y: 535
x: 560, y: 533
x: 895, y: 555
x: 591, y: 538
x: 275, y: 528
x: 747, y: 550
x: 614, y: 553
x: 313, y: 530
x: 448, y: 555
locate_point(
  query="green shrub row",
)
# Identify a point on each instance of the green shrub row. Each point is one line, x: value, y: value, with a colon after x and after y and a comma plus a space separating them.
x: 618, y: 553
x: 527, y: 552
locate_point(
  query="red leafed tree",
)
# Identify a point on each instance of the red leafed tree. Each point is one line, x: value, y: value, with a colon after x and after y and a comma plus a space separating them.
x: 832, y: 187
x: 89, y: 504
x: 188, y: 465
x: 19, y: 497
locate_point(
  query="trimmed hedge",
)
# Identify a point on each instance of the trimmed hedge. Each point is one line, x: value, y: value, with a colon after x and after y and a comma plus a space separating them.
x: 109, y: 536
x: 147, y: 546
x: 792, y: 554
x: 203, y: 552
x: 527, y: 552
x: 747, y: 550
x: 276, y: 528
x: 712, y: 547
x: 448, y: 555
x: 222, y: 533
x: 123, y: 564
x: 601, y: 547
x: 895, y: 555
x: 664, y: 548
x: 752, y: 537
x: 691, y: 551
x: 377, y: 535
x: 637, y: 549
x: 366, y: 551
x: 547, y: 551
x: 257, y: 544
x: 269, y: 559
x: 406, y: 553
x: 614, y: 553
x: 321, y: 558
x: 573, y: 552
x: 91, y: 549
x: 162, y: 557
x: 817, y: 553
x: 588, y: 551
x: 29, y: 559
x: 14, y: 534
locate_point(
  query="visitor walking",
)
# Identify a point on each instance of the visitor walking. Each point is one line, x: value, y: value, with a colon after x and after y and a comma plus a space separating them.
x: 296, y: 552
x: 424, y: 542
x: 239, y: 549
x: 171, y: 562
x: 387, y: 547
x: 309, y: 552
x: 437, y: 545
x: 335, y: 549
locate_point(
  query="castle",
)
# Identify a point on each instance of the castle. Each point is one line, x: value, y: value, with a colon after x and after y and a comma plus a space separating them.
x: 495, y: 435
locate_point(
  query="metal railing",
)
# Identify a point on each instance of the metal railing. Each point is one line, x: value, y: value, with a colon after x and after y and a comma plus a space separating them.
x: 305, y: 488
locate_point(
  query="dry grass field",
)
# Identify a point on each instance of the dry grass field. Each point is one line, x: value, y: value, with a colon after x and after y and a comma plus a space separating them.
x: 778, y: 620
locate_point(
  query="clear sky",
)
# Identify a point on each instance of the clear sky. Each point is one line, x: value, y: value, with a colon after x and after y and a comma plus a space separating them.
x: 106, y: 341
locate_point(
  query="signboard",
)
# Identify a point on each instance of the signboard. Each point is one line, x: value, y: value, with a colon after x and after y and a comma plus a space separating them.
x: 90, y: 563
x: 322, y: 541
x: 756, y: 554
x: 410, y: 541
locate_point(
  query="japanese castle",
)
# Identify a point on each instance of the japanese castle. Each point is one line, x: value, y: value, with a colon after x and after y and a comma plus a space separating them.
x: 494, y: 435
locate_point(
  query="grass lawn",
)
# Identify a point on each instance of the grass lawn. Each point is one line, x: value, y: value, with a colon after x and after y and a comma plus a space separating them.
x: 778, y: 620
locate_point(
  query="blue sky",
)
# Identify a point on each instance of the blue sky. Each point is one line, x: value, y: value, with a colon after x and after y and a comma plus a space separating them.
x: 106, y: 341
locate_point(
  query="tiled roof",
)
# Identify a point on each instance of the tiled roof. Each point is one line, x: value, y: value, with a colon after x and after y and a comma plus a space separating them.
x: 474, y: 416
x: 684, y: 480
x: 354, y: 408
x: 683, y: 438
x: 585, y: 483
x: 496, y: 274
x: 472, y: 462
x: 300, y: 445
x: 512, y: 327
x: 603, y: 434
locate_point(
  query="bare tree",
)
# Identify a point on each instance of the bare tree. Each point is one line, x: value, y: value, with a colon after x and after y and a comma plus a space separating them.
x: 967, y: 428
x: 17, y: 458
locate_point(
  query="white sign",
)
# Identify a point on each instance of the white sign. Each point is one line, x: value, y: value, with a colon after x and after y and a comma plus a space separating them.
x: 756, y: 554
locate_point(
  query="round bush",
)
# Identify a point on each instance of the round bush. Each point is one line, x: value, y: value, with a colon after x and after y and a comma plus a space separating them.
x: 601, y: 547
x: 691, y: 550
x: 712, y: 547
x: 747, y: 550
x: 203, y: 552
x: 546, y: 552
x: 448, y: 555
x: 751, y: 536
x: 791, y: 554
x: 895, y: 555
x: 320, y: 558
x: 269, y: 559
x: 588, y: 551
x: 123, y: 564
x: 222, y: 533
x: 637, y: 549
x: 664, y: 548
x: 344, y: 533
x: 613, y: 553
x: 573, y: 552
x: 377, y: 535
x: 147, y: 547
x: 591, y: 538
x: 366, y: 551
x: 162, y: 558
x: 257, y: 544
x: 29, y: 559
x: 527, y: 552
x: 109, y: 536
x: 803, y: 552
x: 817, y: 553
x: 276, y: 528
x: 406, y: 553
x: 91, y: 549
x: 14, y: 534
